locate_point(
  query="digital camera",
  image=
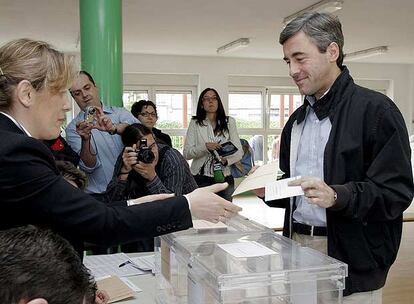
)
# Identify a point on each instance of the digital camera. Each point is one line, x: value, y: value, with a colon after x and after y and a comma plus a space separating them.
x: 145, y: 153
x: 90, y: 114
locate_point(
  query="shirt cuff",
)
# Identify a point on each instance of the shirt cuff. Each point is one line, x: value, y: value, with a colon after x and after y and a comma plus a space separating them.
x: 188, y: 201
x: 155, y: 185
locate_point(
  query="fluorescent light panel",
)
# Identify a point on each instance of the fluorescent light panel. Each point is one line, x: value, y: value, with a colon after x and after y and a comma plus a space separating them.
x: 324, y: 6
x: 242, y: 42
x: 366, y: 53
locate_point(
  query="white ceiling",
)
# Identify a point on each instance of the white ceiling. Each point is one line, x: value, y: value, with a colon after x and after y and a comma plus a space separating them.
x: 199, y: 27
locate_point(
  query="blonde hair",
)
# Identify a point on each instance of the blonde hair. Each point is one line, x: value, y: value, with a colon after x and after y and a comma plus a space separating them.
x: 37, y: 62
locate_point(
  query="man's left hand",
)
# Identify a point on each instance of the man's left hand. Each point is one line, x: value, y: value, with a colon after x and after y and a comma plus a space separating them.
x: 316, y: 191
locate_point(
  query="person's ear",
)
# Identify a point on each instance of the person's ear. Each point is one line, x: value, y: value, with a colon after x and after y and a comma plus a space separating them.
x: 24, y: 92
x: 37, y: 301
x: 333, y: 51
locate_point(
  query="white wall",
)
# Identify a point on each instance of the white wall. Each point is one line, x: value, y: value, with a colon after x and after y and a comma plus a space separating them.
x: 215, y: 72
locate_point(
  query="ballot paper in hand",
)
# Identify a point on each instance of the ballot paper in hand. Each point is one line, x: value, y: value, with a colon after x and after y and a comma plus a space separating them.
x: 280, y: 189
x: 258, y: 179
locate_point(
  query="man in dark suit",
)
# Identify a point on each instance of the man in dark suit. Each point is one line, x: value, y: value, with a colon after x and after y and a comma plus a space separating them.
x: 34, y: 79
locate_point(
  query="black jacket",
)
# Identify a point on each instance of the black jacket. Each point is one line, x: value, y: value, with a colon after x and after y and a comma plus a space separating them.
x: 163, y: 137
x: 367, y: 162
x: 62, y: 151
x: 33, y: 192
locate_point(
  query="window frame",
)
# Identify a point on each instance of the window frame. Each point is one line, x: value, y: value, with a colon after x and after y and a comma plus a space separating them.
x: 266, y: 93
x: 162, y: 89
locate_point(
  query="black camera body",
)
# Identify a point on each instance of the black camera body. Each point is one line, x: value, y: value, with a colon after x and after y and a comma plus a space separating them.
x: 145, y: 153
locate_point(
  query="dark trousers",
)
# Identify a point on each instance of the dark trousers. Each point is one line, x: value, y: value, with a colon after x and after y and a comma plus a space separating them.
x: 203, y: 181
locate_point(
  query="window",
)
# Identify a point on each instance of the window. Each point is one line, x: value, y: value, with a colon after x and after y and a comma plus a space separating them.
x: 261, y: 115
x: 174, y: 107
x: 174, y: 111
x: 129, y: 97
x: 247, y: 109
x: 281, y: 107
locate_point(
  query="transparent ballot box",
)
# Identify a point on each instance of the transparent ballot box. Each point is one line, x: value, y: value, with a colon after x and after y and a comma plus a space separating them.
x: 173, y: 253
x: 264, y: 268
x: 258, y: 268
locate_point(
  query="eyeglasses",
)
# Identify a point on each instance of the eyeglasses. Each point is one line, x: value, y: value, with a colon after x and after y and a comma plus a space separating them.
x: 148, y: 114
x: 212, y: 98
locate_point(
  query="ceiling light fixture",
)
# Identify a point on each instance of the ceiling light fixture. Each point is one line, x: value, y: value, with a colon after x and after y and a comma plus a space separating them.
x: 324, y: 6
x: 366, y: 53
x: 236, y: 44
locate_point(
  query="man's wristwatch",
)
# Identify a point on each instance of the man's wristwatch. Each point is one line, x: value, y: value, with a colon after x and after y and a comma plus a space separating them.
x: 113, y: 131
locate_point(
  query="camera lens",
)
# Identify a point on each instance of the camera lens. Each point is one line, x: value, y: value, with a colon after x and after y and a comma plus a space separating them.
x: 146, y: 155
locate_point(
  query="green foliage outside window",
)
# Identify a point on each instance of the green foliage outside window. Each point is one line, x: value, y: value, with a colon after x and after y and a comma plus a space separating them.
x: 248, y: 124
x: 168, y: 124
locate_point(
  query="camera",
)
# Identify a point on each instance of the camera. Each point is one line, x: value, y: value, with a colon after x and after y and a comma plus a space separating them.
x: 89, y: 114
x: 145, y: 153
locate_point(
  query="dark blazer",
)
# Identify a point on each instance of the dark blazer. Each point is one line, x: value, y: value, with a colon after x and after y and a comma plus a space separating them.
x: 33, y: 192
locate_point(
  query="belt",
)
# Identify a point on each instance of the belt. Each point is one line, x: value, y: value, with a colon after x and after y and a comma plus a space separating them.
x: 309, y: 230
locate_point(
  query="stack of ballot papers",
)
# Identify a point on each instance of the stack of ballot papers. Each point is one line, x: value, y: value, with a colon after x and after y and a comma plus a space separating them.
x: 118, y: 264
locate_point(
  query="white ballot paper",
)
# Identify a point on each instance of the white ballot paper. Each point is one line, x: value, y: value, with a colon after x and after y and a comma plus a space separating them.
x: 108, y: 264
x: 280, y: 189
x: 259, y: 178
x: 246, y: 249
x: 145, y: 262
x: 203, y: 225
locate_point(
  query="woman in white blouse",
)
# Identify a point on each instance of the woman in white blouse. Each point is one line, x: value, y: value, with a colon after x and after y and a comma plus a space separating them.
x: 208, y: 130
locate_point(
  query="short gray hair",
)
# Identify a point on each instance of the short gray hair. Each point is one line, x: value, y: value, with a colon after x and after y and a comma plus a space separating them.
x: 321, y: 28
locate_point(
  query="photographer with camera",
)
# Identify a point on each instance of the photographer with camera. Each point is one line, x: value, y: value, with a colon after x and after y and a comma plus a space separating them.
x: 147, y: 167
x: 94, y: 134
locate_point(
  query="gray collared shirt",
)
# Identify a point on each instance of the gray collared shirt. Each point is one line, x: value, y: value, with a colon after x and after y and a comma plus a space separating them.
x: 106, y: 146
x: 315, y: 134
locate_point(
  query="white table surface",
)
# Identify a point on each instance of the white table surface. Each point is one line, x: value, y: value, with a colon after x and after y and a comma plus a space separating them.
x: 144, y: 281
x: 147, y: 283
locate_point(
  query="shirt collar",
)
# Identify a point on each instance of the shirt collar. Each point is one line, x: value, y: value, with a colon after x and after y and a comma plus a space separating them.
x: 107, y: 109
x: 324, y: 106
x: 19, y: 125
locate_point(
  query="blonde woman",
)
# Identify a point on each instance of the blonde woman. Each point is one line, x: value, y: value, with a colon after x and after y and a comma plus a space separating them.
x: 34, y: 80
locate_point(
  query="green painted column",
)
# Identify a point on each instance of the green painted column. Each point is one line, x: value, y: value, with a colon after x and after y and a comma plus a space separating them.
x: 101, y: 46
